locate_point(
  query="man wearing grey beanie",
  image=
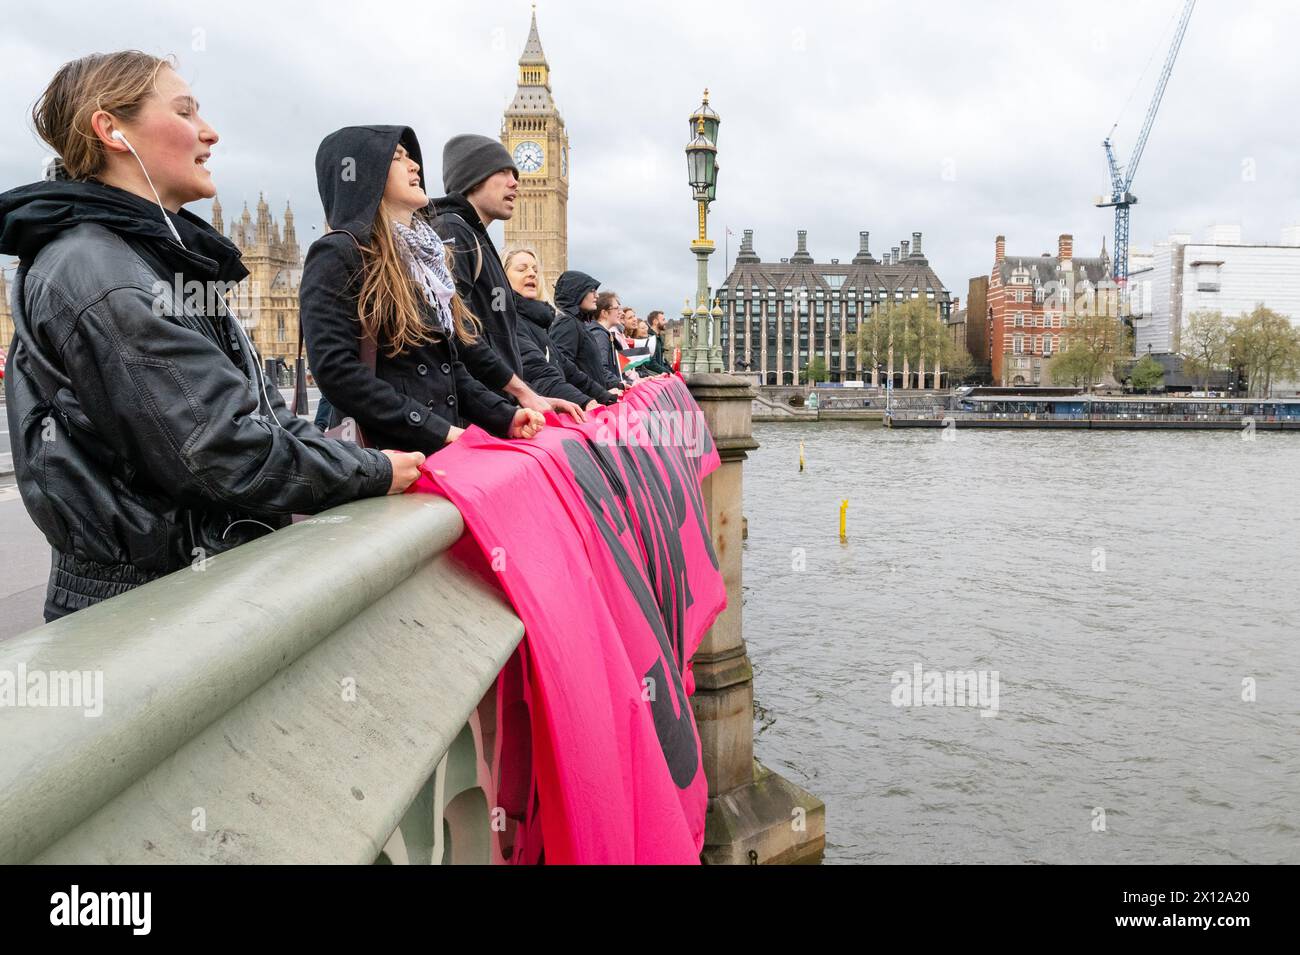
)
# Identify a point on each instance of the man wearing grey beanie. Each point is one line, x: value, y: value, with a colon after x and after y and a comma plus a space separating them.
x: 468, y: 159
x: 482, y: 183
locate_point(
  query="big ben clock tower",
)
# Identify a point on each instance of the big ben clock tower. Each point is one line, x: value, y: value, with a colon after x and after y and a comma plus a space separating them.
x: 533, y: 132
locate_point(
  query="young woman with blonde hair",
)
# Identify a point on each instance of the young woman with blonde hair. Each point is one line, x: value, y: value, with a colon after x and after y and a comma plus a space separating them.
x: 546, y: 368
x: 144, y: 436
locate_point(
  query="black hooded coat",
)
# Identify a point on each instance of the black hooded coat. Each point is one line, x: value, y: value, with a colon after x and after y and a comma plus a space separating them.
x: 571, y: 331
x: 412, y: 399
x: 481, y: 282
x: 549, y: 371
x: 143, y: 435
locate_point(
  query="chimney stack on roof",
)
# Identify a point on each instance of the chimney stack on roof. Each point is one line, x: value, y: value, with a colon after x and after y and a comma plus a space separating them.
x: 916, y: 244
x: 999, y: 249
x: 864, y: 252
x: 801, y: 251
x: 1065, y: 247
x: 747, y: 253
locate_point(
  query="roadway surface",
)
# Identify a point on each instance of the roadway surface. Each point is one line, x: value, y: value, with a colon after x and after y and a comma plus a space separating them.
x: 24, y: 554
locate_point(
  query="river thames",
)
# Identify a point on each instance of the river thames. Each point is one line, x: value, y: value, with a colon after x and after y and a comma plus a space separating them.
x: 1136, y: 593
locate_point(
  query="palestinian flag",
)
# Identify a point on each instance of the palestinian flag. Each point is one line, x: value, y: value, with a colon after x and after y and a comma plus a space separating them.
x: 629, y: 358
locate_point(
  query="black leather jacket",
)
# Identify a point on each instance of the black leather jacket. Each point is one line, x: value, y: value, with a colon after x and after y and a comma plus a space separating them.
x: 143, y: 437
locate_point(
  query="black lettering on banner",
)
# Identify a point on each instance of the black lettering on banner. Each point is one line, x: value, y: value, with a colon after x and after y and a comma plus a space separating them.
x: 624, y: 490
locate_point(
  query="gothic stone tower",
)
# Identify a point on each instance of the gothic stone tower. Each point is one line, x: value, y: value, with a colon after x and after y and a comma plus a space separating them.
x: 534, y: 133
x: 267, y: 300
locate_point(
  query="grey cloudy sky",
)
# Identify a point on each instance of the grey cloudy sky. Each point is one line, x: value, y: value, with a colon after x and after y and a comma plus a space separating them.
x: 959, y: 120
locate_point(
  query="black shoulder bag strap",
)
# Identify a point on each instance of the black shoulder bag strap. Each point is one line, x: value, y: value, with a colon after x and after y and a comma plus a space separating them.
x: 478, y: 249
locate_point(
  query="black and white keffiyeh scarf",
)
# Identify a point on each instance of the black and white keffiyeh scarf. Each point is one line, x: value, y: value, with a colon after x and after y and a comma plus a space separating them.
x: 427, y: 261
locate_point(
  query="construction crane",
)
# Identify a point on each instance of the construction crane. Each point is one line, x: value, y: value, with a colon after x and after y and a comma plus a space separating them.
x: 1121, y: 179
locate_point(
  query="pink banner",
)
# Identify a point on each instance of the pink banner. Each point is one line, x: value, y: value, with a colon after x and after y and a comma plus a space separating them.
x: 598, y: 534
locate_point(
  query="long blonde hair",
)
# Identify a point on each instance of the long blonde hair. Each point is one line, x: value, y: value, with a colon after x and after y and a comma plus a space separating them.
x: 390, y: 308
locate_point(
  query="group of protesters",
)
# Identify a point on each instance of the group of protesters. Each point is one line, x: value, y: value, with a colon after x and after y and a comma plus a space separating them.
x: 144, y: 433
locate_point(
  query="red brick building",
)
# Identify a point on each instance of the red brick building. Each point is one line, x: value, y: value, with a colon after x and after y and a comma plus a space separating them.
x: 1029, y: 301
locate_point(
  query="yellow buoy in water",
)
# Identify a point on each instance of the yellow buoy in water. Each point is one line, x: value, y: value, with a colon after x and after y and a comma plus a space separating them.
x: 801, y: 455
x: 844, y: 513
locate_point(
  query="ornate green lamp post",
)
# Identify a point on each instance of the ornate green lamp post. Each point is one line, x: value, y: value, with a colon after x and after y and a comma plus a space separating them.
x: 701, y: 351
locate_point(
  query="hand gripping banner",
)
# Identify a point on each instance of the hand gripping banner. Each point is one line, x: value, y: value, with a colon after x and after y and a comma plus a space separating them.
x: 598, y: 534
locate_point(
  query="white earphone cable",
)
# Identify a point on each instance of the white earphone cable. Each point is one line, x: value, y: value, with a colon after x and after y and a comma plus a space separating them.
x: 121, y: 138
x: 255, y: 358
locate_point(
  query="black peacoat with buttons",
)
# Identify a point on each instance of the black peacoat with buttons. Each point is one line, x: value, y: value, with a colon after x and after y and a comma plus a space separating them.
x: 411, y: 400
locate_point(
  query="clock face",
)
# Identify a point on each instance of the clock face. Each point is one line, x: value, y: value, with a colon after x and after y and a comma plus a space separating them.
x: 528, y: 156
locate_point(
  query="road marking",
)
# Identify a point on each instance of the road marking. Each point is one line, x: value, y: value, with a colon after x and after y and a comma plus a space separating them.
x: 8, y: 494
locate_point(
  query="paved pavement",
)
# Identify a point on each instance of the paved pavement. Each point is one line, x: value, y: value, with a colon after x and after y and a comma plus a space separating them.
x: 24, y: 554
x: 6, y: 458
x: 24, y: 566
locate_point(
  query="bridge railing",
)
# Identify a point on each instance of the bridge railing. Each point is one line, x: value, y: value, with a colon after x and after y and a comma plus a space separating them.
x: 325, y: 694
x: 938, y: 414
x: 322, y: 694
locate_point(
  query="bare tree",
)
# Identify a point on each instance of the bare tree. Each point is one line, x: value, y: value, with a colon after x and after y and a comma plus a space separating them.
x: 1205, y: 342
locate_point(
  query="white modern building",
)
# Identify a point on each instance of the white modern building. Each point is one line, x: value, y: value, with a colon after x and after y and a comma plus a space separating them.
x: 1221, y: 273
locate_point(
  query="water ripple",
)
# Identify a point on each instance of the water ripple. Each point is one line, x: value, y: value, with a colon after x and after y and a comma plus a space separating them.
x: 1126, y: 587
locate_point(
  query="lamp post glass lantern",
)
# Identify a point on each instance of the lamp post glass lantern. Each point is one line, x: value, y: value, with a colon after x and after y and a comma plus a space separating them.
x: 709, y: 118
x: 701, y: 350
x: 701, y: 164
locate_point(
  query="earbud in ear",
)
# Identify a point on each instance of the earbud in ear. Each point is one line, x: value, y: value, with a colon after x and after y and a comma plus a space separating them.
x: 171, y: 226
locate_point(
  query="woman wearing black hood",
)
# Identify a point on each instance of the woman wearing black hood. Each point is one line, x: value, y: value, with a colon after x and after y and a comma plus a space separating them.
x: 382, y: 277
x: 546, y: 368
x: 144, y: 437
x: 575, y: 303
